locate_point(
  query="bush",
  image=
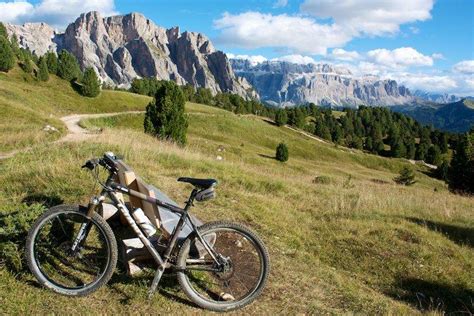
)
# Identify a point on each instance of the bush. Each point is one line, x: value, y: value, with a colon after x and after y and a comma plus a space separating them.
x: 406, y: 177
x: 90, y: 83
x: 7, y: 58
x: 26, y: 64
x: 322, y: 180
x: 282, y: 152
x: 165, y: 116
x: 42, y: 74
x: 68, y: 67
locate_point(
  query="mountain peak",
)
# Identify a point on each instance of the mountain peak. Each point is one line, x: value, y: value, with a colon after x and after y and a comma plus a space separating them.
x: 123, y: 47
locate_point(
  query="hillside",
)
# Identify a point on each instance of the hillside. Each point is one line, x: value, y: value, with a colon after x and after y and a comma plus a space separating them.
x: 343, y: 238
x: 454, y: 117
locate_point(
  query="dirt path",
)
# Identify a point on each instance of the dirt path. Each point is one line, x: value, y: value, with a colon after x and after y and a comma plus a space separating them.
x: 74, y: 131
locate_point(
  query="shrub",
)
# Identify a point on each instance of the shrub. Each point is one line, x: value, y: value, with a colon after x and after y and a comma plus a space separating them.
x: 282, y: 152
x: 90, y: 83
x: 42, y: 74
x: 165, y: 116
x: 406, y: 176
x: 7, y: 58
x: 26, y: 64
x: 322, y: 180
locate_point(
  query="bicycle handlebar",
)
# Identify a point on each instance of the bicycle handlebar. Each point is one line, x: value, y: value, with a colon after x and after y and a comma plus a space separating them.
x: 107, y: 161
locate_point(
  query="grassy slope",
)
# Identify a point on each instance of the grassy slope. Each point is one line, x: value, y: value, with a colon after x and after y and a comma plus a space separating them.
x: 27, y: 106
x: 356, y: 244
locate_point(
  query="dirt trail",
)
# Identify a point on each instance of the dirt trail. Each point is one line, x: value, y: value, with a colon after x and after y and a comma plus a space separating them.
x: 74, y: 131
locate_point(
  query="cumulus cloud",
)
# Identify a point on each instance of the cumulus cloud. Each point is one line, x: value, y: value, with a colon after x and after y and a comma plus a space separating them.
x: 465, y: 67
x: 296, y: 59
x: 372, y: 17
x: 57, y: 13
x: 253, y: 59
x: 298, y: 34
x: 399, y: 57
x: 428, y: 82
x: 341, y: 54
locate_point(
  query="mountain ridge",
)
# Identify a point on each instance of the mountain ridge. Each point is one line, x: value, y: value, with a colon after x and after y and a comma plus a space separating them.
x: 123, y: 47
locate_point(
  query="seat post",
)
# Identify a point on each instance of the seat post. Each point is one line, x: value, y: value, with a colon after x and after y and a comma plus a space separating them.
x: 190, y: 201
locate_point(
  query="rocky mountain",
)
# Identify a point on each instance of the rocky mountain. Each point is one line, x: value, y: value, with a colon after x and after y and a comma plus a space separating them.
x: 284, y: 83
x: 121, y: 48
x: 455, y: 117
x: 441, y: 98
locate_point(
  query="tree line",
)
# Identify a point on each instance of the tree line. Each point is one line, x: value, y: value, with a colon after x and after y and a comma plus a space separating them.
x: 63, y: 65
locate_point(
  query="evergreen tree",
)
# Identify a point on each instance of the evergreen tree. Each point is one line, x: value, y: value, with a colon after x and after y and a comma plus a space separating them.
x: 68, y: 67
x: 42, y: 74
x: 442, y: 172
x: 282, y: 152
x: 281, y: 118
x: 406, y: 176
x: 410, y: 148
x: 397, y: 148
x: 203, y: 96
x: 14, y: 45
x: 337, y: 135
x: 422, y: 149
x: 443, y: 143
x: 165, y: 116
x: 26, y: 64
x: 7, y: 59
x: 461, y: 172
x: 52, y: 62
x: 299, y: 118
x: 90, y: 83
x: 433, y: 156
x: 3, y: 31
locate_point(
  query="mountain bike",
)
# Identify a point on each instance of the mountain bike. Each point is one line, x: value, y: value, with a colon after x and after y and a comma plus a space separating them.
x: 220, y: 266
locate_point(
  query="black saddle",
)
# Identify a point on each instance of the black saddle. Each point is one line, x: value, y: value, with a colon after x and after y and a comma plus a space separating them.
x: 200, y: 183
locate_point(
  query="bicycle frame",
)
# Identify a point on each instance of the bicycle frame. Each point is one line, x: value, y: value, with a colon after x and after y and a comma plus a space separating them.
x: 111, y: 190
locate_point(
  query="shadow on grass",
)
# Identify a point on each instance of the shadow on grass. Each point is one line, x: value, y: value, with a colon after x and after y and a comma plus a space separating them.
x: 433, y: 296
x: 267, y: 156
x: 458, y: 234
x: 46, y: 200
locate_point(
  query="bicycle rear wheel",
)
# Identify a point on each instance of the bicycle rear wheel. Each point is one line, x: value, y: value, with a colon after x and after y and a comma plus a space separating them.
x: 237, y: 280
x: 53, y: 262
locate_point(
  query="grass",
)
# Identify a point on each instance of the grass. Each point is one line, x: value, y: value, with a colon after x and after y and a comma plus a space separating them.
x: 28, y: 105
x: 356, y: 243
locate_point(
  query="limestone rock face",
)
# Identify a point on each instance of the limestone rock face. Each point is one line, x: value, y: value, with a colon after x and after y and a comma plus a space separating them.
x: 287, y: 84
x: 121, y: 48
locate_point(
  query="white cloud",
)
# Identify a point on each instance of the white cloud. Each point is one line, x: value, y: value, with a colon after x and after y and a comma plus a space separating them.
x: 280, y: 3
x: 254, y: 59
x: 427, y: 82
x: 341, y: 54
x: 296, y: 59
x: 399, y: 57
x: 372, y: 17
x: 298, y: 34
x: 57, y: 13
x: 414, y: 29
x: 465, y: 67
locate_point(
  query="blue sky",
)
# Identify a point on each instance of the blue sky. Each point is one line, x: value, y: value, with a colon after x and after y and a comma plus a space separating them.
x: 424, y: 44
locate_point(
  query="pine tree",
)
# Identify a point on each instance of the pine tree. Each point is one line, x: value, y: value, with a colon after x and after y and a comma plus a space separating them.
x: 7, y: 59
x: 443, y: 143
x: 90, y: 83
x: 406, y: 177
x: 282, y: 152
x: 442, y: 172
x: 281, y: 118
x: 165, y: 116
x: 43, y: 74
x: 52, y: 62
x: 433, y: 156
x: 397, y: 149
x: 337, y: 136
x: 410, y: 148
x: 68, y: 67
x: 3, y: 30
x: 422, y: 149
x: 15, y: 46
x: 26, y: 63
x: 461, y: 172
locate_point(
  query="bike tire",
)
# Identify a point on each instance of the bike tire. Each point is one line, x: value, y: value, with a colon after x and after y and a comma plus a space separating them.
x: 96, y: 220
x: 219, y: 306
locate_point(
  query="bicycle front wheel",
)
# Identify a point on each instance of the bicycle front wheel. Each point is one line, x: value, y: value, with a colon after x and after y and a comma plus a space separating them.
x: 63, y: 268
x: 239, y: 277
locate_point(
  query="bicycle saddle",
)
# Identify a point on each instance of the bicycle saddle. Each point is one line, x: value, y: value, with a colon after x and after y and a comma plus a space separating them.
x: 199, y: 183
